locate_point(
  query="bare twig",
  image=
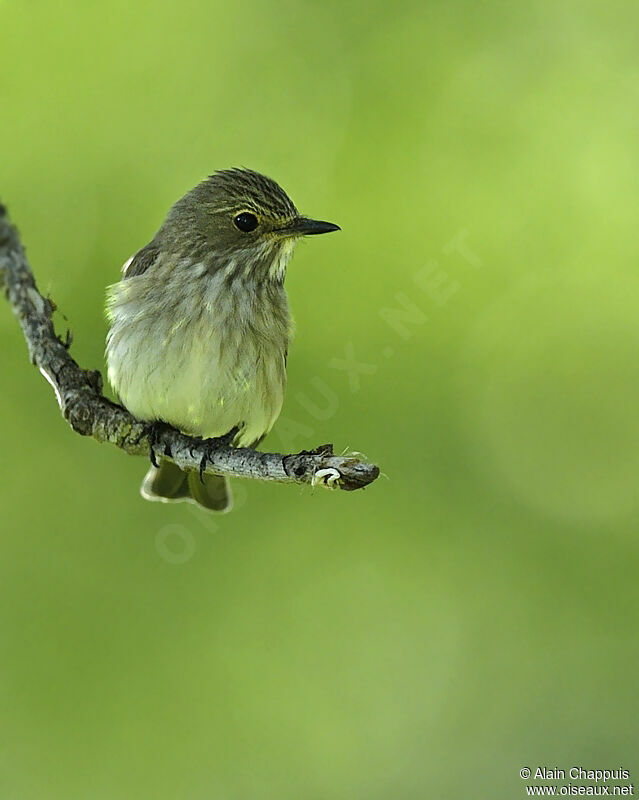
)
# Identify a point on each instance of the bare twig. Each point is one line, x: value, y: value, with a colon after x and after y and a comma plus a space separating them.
x: 79, y: 395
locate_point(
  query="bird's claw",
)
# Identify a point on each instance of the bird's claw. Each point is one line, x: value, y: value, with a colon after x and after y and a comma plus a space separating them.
x: 155, y: 430
x: 210, y: 445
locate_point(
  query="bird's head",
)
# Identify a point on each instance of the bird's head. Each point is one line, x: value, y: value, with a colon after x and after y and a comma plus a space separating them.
x: 239, y: 221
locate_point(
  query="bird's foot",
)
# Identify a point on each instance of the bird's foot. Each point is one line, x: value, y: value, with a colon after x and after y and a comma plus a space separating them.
x: 155, y: 430
x: 211, y: 445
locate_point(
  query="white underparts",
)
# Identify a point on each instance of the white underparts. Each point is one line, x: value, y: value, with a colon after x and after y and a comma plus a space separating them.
x: 201, y: 351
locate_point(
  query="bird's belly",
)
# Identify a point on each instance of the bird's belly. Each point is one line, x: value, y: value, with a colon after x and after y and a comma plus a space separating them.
x: 201, y: 380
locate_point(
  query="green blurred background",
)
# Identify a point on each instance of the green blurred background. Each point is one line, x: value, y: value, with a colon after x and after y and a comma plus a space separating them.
x: 475, y: 610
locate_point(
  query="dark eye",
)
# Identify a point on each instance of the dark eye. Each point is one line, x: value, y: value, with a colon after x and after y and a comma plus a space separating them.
x: 245, y: 221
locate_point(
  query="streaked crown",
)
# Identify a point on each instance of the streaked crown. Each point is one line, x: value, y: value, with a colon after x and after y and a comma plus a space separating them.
x: 233, y: 188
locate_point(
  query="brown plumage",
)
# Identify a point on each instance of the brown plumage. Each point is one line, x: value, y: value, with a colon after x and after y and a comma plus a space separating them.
x: 200, y: 323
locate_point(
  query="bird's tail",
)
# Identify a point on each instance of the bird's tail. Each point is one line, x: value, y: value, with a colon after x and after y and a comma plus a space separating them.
x: 170, y: 484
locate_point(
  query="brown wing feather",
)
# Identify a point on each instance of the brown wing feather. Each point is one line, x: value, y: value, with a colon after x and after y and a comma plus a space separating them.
x: 141, y: 261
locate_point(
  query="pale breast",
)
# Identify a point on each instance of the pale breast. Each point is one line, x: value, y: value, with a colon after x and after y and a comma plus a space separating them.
x: 205, y: 360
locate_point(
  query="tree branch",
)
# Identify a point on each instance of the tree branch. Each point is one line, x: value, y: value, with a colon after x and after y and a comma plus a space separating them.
x: 79, y: 395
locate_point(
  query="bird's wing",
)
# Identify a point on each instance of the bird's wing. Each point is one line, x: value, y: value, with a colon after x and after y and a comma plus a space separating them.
x: 141, y: 261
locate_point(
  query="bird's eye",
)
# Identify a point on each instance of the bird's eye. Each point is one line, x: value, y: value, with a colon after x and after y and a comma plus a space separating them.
x: 245, y: 221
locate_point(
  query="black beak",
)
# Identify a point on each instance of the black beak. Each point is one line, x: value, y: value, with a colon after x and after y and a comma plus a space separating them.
x: 302, y: 226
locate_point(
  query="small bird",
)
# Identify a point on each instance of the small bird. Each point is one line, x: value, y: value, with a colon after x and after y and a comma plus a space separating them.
x: 200, y: 323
